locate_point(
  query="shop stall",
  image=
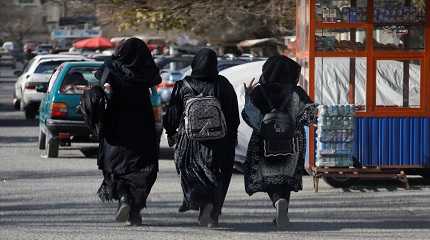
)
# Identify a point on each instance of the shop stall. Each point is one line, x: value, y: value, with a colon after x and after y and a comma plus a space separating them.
x: 372, y: 56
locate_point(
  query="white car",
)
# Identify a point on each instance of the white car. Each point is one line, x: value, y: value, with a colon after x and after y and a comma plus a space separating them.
x: 238, y: 75
x: 9, y: 46
x: 37, y: 73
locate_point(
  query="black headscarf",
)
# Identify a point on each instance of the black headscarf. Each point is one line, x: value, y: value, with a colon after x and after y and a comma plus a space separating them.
x: 134, y: 60
x: 280, y: 69
x: 205, y: 65
x: 279, y: 80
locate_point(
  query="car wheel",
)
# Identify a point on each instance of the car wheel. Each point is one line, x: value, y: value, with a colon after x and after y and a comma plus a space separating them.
x: 340, y: 182
x: 42, y: 140
x: 52, y: 146
x: 30, y: 113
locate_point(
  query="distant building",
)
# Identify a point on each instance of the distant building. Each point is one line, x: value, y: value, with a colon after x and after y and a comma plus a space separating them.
x: 71, y: 20
x: 34, y: 11
x: 70, y: 29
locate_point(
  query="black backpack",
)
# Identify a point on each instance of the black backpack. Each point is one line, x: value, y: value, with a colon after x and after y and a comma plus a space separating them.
x: 93, y: 106
x: 278, y: 130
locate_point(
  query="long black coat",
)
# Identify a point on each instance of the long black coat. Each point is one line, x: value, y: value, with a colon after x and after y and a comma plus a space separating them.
x: 254, y: 181
x: 128, y: 153
x: 199, y: 163
x: 279, y: 82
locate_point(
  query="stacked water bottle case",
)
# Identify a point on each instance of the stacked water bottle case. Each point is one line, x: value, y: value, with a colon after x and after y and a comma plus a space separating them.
x: 335, y: 136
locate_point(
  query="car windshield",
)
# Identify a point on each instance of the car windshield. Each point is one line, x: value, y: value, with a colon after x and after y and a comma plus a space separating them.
x: 79, y: 79
x: 48, y: 67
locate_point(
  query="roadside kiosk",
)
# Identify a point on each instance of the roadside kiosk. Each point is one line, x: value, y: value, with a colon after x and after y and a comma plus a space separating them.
x: 373, y: 55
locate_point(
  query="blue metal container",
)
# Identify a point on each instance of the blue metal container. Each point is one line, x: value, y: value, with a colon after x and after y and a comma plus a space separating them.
x: 395, y: 141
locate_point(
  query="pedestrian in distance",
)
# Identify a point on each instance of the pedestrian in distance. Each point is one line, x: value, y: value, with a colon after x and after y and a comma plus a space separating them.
x: 29, y: 54
x: 277, y: 109
x: 202, y: 120
x: 128, y: 152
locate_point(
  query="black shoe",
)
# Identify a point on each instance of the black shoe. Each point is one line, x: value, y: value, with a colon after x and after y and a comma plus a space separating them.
x: 281, y: 219
x: 135, y: 219
x: 205, y: 214
x: 123, y: 211
x: 213, y: 223
x: 184, y: 207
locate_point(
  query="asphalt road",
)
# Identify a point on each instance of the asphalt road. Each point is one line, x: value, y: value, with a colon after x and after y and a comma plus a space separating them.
x: 55, y: 199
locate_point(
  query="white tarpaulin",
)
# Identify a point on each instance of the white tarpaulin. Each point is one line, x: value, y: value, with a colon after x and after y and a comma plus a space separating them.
x: 332, y: 81
x: 332, y: 77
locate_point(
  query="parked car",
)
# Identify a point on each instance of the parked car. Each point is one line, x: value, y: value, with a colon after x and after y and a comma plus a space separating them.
x: 169, y: 78
x: 100, y: 57
x: 6, y: 59
x: 176, y: 68
x: 9, y: 46
x: 60, y: 120
x: 37, y: 72
x: 171, y: 70
x: 238, y: 75
x: 44, y: 48
x: 173, y: 63
x: 165, y: 88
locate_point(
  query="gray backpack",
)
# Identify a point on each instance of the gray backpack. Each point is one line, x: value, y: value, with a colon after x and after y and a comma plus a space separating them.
x: 204, y: 119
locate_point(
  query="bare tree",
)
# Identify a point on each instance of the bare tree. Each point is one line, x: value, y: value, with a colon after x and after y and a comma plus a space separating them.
x: 218, y: 21
x: 75, y: 7
x: 16, y: 22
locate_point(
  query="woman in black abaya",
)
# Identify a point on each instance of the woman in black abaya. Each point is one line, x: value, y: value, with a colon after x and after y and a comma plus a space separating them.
x: 205, y: 168
x: 128, y: 149
x: 278, y: 83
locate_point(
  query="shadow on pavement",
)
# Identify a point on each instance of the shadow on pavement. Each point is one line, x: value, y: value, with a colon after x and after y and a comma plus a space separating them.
x: 91, y: 152
x: 14, y: 175
x: 18, y: 123
x: 16, y: 139
x: 7, y: 81
x: 6, y: 107
x: 315, y: 226
x: 258, y: 222
x: 415, y: 183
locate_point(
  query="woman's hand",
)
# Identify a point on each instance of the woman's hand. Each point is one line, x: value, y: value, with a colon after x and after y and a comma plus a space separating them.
x: 250, y: 87
x: 107, y: 88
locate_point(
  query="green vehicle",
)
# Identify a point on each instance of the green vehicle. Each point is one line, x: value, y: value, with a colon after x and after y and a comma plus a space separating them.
x: 60, y: 121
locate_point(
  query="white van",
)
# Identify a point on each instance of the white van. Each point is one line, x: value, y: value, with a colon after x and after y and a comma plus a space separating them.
x: 9, y: 46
